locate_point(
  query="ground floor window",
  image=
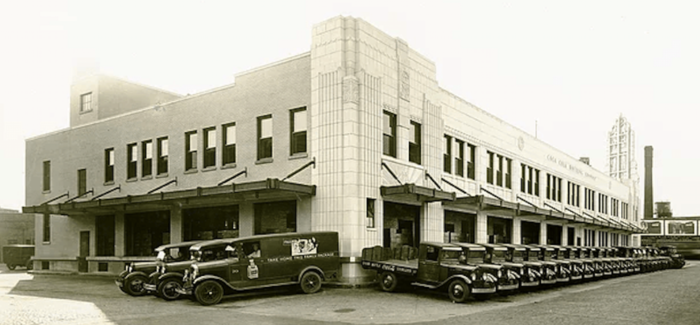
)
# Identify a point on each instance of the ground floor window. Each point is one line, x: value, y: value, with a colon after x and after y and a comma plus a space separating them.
x: 275, y: 217
x: 460, y: 227
x: 146, y: 231
x: 571, y: 237
x: 530, y: 232
x: 499, y: 230
x: 554, y: 234
x: 401, y: 225
x: 210, y: 223
x: 104, y: 226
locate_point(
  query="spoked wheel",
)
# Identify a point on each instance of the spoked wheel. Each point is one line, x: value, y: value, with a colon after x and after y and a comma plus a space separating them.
x: 166, y: 289
x: 388, y: 281
x: 458, y: 290
x: 310, y: 282
x: 134, y: 285
x: 209, y: 293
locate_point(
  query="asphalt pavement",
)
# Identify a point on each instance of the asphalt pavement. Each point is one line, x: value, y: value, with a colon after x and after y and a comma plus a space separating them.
x: 664, y: 297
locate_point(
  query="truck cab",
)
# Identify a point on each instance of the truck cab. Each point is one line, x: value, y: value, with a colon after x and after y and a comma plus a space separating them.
x: 532, y: 269
x: 570, y: 253
x: 599, y: 264
x: 677, y: 260
x: 171, y: 263
x: 564, y: 266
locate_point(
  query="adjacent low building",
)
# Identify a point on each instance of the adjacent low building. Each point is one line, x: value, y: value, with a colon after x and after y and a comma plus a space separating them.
x: 355, y: 136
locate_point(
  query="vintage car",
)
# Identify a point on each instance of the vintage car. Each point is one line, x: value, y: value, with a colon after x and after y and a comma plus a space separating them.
x: 583, y: 255
x: 532, y: 267
x: 619, y: 264
x: 629, y: 255
x: 568, y: 254
x: 171, y: 263
x: 263, y: 261
x: 564, y: 265
x: 677, y: 260
x: 135, y: 276
x: 599, y: 264
x: 509, y: 281
x: 437, y: 266
x: 18, y: 255
x: 545, y: 255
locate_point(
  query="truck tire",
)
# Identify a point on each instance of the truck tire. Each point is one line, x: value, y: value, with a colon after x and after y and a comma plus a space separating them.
x: 166, y: 289
x: 30, y: 265
x: 134, y: 285
x: 458, y: 290
x: 209, y: 293
x: 388, y: 281
x: 11, y: 267
x: 310, y: 282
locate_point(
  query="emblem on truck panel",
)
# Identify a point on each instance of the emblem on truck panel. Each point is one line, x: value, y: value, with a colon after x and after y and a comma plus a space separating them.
x: 304, y: 246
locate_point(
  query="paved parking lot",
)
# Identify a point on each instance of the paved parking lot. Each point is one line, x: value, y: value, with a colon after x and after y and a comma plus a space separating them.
x: 655, y: 298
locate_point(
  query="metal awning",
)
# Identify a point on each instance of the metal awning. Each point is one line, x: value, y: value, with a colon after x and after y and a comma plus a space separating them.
x: 270, y: 188
x: 413, y: 192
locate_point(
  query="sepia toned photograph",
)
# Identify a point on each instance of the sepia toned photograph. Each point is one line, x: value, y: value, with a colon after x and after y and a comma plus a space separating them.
x: 349, y: 162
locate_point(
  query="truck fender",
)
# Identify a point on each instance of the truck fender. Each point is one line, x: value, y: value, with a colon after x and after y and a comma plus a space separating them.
x: 456, y: 276
x: 221, y: 281
x: 135, y: 273
x: 170, y: 275
x: 311, y: 268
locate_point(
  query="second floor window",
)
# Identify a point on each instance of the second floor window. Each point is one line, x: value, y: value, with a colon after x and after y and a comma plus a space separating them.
x: 162, y: 156
x: 389, y: 134
x: 109, y: 165
x: 131, y: 160
x: 191, y: 150
x: 229, y: 142
x: 86, y: 102
x: 447, y: 154
x: 82, y: 181
x: 529, y: 180
x: 209, y: 147
x: 264, y: 137
x: 414, y: 143
x: 298, y: 131
x: 146, y: 158
x: 47, y: 176
x: 459, y: 158
x: 471, y: 167
x: 490, y: 167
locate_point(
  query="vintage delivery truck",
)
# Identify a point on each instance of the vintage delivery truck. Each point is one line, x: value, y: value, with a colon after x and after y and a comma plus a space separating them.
x: 18, y: 255
x: 171, y: 263
x: 532, y: 268
x: 263, y: 261
x: 437, y: 266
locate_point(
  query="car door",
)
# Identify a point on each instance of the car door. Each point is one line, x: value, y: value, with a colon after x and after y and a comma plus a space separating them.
x: 236, y: 265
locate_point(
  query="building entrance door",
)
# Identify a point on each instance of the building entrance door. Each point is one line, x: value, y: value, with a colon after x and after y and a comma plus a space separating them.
x: 84, y: 251
x: 401, y: 225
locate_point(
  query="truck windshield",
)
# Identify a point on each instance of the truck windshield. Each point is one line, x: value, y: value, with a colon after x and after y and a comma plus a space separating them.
x: 499, y: 256
x: 475, y: 257
x: 517, y: 256
x: 533, y: 256
x: 451, y: 257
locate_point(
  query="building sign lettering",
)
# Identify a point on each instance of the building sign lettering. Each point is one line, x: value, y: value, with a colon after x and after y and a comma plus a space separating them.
x: 564, y: 164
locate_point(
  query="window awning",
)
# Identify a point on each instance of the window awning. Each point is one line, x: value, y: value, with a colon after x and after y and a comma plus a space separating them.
x: 413, y: 192
x: 270, y: 188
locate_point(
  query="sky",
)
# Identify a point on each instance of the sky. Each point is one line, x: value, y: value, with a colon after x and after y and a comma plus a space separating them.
x: 563, y: 70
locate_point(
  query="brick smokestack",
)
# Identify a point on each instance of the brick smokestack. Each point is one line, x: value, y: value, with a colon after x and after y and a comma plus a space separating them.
x: 648, y: 182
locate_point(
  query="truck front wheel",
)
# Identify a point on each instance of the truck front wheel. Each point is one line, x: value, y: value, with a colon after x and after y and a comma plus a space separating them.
x: 11, y: 267
x: 458, y: 290
x: 388, y: 281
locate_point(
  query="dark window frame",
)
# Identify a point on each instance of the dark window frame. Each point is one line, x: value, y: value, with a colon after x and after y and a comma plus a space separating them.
x: 389, y: 139
x: 82, y: 181
x: 191, y: 151
x: 228, y: 151
x: 447, y: 155
x: 132, y: 161
x: 298, y: 140
x: 162, y: 166
x: 265, y: 145
x: 46, y: 228
x: 86, y: 102
x: 459, y: 158
x: 209, y: 151
x: 46, y: 185
x: 415, y: 148
x: 371, y: 212
x: 471, y: 164
x: 109, y: 165
x: 146, y: 163
x: 489, y: 168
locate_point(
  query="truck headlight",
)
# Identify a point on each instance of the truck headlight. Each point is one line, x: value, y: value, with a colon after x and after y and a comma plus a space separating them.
x: 473, y: 276
x: 500, y: 274
x: 522, y: 271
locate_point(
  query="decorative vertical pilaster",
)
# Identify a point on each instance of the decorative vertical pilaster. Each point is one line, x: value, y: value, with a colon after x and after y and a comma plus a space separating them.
x: 176, y: 224
x: 481, y: 225
x: 517, y: 237
x: 119, y: 234
x: 543, y: 233
x: 564, y: 235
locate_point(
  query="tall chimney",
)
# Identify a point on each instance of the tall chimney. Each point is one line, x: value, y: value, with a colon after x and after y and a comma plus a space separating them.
x: 648, y: 182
